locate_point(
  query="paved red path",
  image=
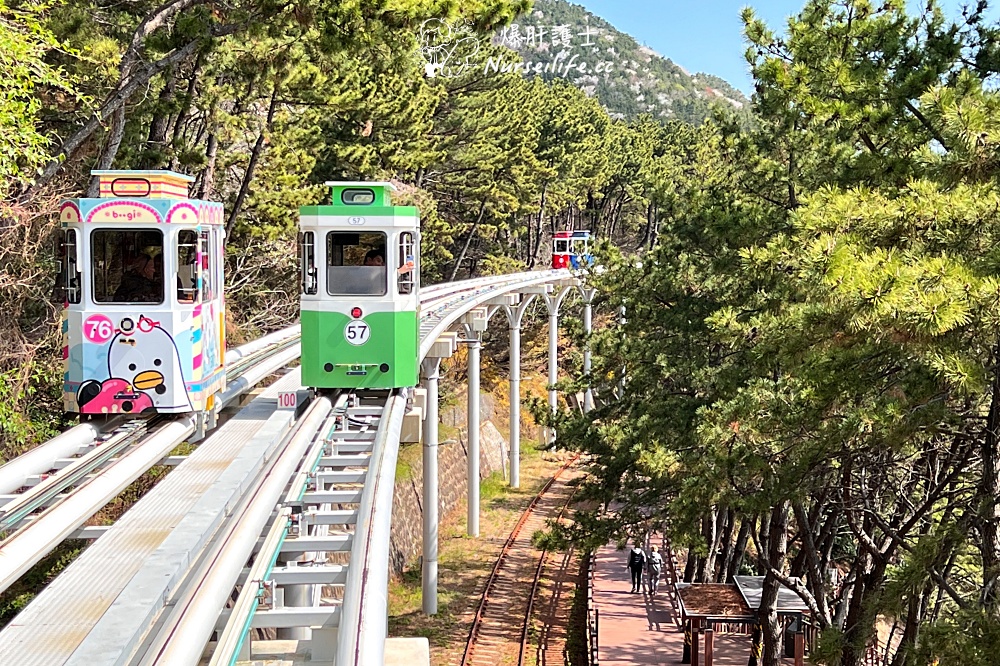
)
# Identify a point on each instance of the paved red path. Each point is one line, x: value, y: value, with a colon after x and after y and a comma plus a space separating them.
x: 634, y: 628
x: 643, y: 629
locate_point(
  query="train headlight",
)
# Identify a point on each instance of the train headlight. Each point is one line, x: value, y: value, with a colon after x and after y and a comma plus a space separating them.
x: 356, y: 313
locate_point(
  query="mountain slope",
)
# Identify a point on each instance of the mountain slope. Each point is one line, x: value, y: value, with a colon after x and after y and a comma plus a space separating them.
x: 558, y: 38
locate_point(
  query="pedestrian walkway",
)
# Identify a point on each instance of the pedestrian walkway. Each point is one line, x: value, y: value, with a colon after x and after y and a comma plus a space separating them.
x: 643, y: 628
x: 634, y: 628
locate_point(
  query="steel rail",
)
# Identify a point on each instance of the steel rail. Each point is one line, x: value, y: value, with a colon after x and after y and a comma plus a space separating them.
x: 261, y: 363
x: 231, y: 640
x: 196, y: 614
x: 538, y: 572
x: 364, y: 612
x: 477, y: 620
x: 239, y: 367
x: 44, y: 457
x: 277, y: 337
x: 50, y: 488
x: 15, y: 558
x: 448, y: 314
x: 441, y: 306
x: 31, y: 543
x: 459, y: 291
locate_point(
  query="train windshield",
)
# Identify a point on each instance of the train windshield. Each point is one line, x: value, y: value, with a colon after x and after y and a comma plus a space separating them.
x: 127, y: 265
x: 562, y: 245
x: 355, y: 264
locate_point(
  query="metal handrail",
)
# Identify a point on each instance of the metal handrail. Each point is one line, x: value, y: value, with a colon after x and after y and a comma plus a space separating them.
x: 593, y: 614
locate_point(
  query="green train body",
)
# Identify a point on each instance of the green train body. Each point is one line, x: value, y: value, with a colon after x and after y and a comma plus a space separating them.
x: 359, y: 261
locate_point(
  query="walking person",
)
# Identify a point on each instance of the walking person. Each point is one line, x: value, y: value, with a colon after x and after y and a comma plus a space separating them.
x: 636, y: 563
x: 655, y: 565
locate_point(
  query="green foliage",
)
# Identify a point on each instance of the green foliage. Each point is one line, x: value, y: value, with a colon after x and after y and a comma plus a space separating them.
x: 21, y: 428
x: 816, y: 326
x: 27, y: 76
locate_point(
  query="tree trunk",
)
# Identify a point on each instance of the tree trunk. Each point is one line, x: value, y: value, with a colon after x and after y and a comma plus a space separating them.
x: 115, y: 134
x: 185, y: 109
x: 258, y: 148
x: 726, y: 558
x: 812, y: 563
x: 655, y: 236
x: 911, y: 629
x: 208, y: 175
x: 157, y: 137
x: 690, y: 567
x: 538, y: 228
x: 114, y: 102
x: 468, y: 241
x: 740, y: 550
x: 777, y: 546
x: 989, y: 491
x: 709, y: 530
x: 647, y: 230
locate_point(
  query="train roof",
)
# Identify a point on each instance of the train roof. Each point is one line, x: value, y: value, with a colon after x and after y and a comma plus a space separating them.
x: 125, y: 173
x: 360, y: 183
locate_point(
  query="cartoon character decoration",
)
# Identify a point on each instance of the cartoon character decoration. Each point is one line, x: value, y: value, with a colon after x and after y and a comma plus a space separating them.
x: 144, y: 372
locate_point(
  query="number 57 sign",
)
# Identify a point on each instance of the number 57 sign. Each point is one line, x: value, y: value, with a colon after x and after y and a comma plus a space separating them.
x: 357, y: 332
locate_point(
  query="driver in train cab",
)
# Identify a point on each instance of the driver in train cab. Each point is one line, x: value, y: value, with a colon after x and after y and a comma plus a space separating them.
x: 374, y: 258
x: 138, y: 284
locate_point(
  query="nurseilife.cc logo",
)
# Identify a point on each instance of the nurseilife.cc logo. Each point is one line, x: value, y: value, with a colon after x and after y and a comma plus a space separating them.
x: 447, y: 50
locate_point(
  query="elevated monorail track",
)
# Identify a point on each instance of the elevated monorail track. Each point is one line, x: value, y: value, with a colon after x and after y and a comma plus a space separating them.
x: 286, y: 512
x: 57, y: 495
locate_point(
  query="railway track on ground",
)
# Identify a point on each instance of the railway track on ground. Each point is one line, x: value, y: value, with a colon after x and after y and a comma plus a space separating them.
x: 496, y: 637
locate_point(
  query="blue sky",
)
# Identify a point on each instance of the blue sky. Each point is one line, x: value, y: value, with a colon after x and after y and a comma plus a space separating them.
x: 705, y: 35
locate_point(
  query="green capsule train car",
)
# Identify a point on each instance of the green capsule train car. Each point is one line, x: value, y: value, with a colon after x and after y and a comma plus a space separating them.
x: 359, y: 260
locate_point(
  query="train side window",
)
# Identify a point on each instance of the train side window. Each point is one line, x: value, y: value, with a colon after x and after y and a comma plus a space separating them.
x: 407, y: 266
x: 207, y: 266
x: 307, y: 262
x: 68, y: 282
x: 187, y: 266
x: 127, y: 265
x: 355, y: 264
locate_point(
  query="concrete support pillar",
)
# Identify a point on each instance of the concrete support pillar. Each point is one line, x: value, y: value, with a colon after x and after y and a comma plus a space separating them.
x: 473, y: 371
x: 588, y: 327
x: 552, y: 304
x: 429, y: 571
x: 550, y: 433
x: 515, y: 405
x: 514, y: 316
